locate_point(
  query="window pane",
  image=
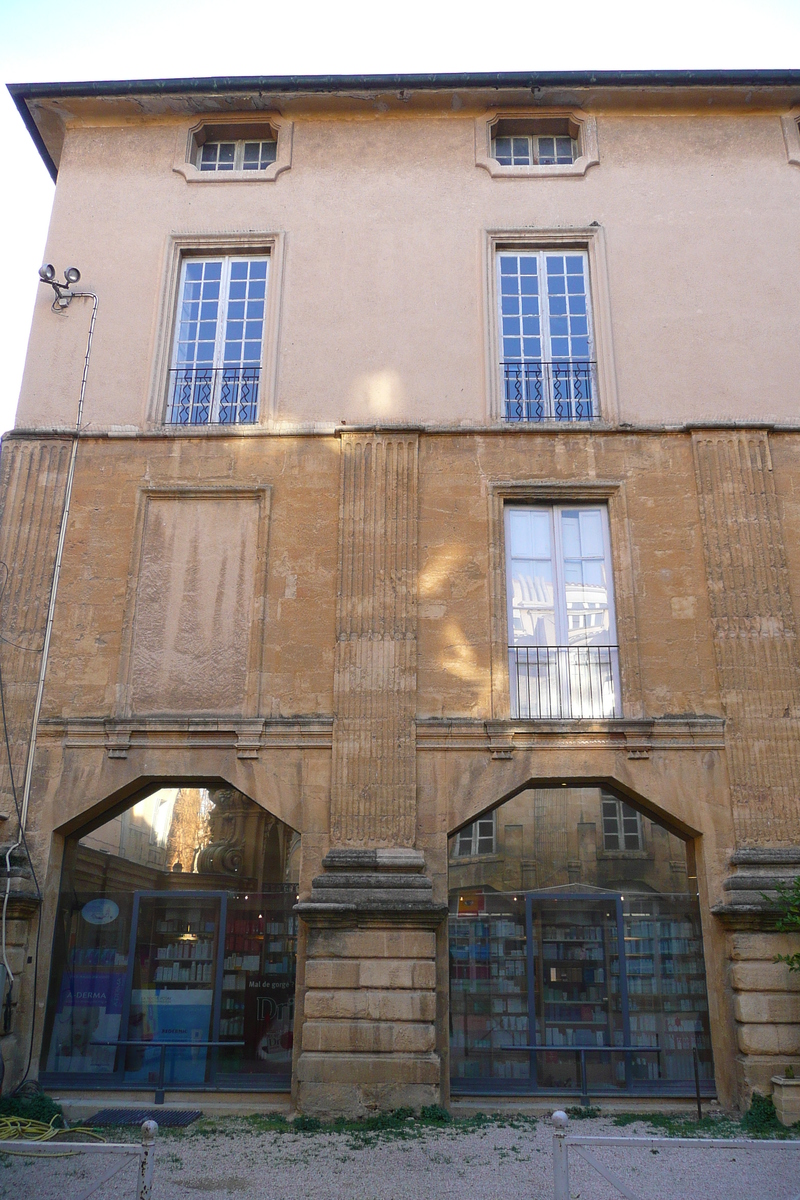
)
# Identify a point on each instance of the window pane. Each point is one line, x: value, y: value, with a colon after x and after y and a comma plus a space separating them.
x: 243, y: 341
x: 503, y: 151
x: 585, y: 578
x: 610, y: 825
x: 519, y: 285
x: 567, y: 308
x: 522, y: 152
x: 564, y: 150
x: 465, y: 841
x: 547, y: 154
x: 195, y: 339
x: 531, y: 577
x: 208, y: 156
x: 227, y: 153
x: 631, y: 827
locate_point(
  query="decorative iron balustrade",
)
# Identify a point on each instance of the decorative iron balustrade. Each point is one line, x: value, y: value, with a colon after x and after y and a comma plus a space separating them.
x: 550, y: 391
x: 564, y: 681
x: 213, y: 395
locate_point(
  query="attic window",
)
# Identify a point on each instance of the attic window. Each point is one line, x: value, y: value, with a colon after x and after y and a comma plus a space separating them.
x: 236, y: 156
x: 536, y: 142
x: 234, y: 147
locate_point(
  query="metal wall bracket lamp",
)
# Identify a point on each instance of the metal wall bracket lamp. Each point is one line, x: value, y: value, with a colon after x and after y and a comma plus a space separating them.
x: 63, y: 291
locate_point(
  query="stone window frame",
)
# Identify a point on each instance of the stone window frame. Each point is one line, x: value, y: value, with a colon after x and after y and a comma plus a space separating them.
x: 585, y: 125
x: 612, y: 493
x: 590, y: 239
x: 189, y: 245
x: 790, y: 123
x: 235, y: 127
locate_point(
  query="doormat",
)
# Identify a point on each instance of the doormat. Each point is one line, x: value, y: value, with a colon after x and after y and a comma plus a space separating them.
x: 135, y: 1116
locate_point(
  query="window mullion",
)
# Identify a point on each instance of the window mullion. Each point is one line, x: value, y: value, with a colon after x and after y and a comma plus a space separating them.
x: 219, y: 344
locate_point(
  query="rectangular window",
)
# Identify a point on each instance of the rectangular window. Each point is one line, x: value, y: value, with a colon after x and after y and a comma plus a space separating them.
x: 236, y: 156
x: 622, y: 825
x: 219, y: 339
x: 546, y: 348
x: 563, y: 661
x: 477, y: 838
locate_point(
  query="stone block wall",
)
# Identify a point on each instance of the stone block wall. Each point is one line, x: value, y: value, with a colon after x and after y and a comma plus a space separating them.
x: 369, y: 1033
x: 766, y: 1006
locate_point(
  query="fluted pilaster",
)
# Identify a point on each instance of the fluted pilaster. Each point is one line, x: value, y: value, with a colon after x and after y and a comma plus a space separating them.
x: 373, y: 800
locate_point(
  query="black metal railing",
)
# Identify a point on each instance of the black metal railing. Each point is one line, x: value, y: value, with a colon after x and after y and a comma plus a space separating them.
x: 213, y: 395
x: 564, y: 681
x: 550, y: 391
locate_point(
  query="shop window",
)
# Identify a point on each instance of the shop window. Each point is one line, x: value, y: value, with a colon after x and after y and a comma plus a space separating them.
x: 174, y: 950
x: 568, y: 960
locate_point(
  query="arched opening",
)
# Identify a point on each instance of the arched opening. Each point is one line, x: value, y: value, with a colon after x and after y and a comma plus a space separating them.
x: 174, y: 948
x: 576, y: 956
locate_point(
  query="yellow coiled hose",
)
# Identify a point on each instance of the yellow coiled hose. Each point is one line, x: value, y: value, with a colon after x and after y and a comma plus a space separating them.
x: 22, y: 1129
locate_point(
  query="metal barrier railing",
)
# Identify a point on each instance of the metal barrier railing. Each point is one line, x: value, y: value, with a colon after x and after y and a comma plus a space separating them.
x: 141, y: 1044
x: 561, y: 390
x: 582, y: 1051
x: 145, y: 1152
x: 563, y: 1143
x: 564, y: 681
x: 213, y: 395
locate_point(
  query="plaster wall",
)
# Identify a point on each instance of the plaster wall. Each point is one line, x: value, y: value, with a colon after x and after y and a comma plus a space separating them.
x: 381, y: 271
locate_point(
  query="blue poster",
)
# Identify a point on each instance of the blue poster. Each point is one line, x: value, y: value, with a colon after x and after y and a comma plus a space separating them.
x: 169, y: 1015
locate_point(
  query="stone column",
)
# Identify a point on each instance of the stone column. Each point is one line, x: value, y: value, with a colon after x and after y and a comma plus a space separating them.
x: 369, y: 982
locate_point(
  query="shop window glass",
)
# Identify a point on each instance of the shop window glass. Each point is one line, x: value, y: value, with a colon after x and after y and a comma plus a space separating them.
x: 571, y: 957
x: 175, y: 944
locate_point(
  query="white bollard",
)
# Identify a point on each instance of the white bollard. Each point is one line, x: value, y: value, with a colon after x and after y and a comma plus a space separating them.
x: 144, y: 1185
x: 560, y: 1157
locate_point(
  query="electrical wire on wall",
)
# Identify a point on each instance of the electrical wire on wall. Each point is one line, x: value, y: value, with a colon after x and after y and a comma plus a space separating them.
x: 64, y: 294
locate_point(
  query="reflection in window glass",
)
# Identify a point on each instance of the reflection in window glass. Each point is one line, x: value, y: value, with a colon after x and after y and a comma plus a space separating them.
x: 175, y: 925
x: 579, y: 937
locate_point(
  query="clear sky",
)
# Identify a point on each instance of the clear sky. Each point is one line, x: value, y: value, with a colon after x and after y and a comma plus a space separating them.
x: 108, y: 39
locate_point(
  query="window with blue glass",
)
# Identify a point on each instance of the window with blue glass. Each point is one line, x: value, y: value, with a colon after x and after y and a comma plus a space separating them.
x: 547, y: 359
x: 215, y: 377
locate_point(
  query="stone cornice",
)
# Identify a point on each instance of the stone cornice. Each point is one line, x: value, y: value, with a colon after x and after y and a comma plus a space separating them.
x: 247, y: 736
x: 638, y: 738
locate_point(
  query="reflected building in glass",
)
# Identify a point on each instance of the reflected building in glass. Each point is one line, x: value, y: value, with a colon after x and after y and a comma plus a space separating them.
x: 175, y: 946
x: 575, y: 949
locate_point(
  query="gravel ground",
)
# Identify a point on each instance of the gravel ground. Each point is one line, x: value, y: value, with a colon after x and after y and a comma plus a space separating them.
x: 501, y: 1160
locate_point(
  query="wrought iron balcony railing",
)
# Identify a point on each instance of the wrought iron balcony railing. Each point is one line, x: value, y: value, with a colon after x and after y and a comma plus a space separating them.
x: 550, y: 391
x: 564, y: 681
x: 213, y: 395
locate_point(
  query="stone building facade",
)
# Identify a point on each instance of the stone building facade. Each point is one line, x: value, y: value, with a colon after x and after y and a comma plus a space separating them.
x: 439, y: 451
